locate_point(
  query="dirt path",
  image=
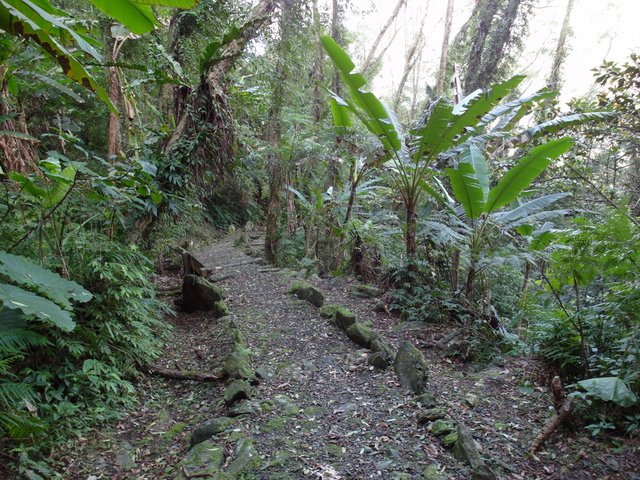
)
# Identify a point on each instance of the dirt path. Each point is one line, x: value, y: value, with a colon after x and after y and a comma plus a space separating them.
x: 324, y: 413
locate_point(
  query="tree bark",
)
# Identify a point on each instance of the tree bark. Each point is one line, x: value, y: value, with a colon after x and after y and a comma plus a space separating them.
x: 410, y: 238
x: 16, y: 154
x: 444, y: 51
x: 555, y: 77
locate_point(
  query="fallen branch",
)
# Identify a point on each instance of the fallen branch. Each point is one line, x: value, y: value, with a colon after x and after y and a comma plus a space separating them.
x: 185, y: 374
x: 564, y: 414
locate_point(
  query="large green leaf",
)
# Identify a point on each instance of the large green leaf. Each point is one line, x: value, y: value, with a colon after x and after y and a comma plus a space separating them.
x: 467, y: 189
x: 473, y: 156
x: 136, y: 17
x: 610, y: 389
x: 170, y: 3
x: 522, y: 214
x: 16, y: 298
x: 340, y: 114
x: 560, y: 123
x: 16, y: 22
x: 27, y: 274
x: 524, y: 172
x: 380, y: 122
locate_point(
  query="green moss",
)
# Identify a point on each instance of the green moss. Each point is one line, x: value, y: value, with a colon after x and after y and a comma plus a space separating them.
x: 177, y: 429
x: 276, y: 424
x: 334, y: 450
x: 440, y: 428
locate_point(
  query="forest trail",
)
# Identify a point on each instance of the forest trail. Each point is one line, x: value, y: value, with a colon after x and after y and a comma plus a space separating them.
x: 320, y: 411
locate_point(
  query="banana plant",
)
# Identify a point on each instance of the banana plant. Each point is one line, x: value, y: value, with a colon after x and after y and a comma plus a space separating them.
x: 470, y: 184
x: 48, y: 27
x: 445, y: 132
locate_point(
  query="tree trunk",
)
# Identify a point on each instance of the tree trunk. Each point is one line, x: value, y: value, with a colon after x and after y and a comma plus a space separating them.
x: 336, y: 34
x: 16, y: 154
x: 555, y: 77
x: 485, y: 11
x: 113, y: 90
x: 410, y: 238
x: 412, y: 56
x: 371, y: 57
x: 444, y: 51
x: 318, y: 69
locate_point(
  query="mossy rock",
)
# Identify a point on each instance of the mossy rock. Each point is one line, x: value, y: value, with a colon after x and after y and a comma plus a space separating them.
x: 432, y: 472
x: 329, y: 310
x: 200, y: 295
x: 440, y: 428
x: 426, y: 400
x: 237, y: 365
x: 248, y: 407
x: 450, y: 439
x: 208, y: 429
x: 220, y: 309
x: 361, y: 334
x: 384, y: 349
x: 465, y: 450
x: 305, y: 291
x: 344, y: 318
x: 245, y: 459
x: 236, y: 391
x: 431, y: 415
x: 378, y: 360
x: 411, y: 368
x: 365, y: 291
x: 204, y: 459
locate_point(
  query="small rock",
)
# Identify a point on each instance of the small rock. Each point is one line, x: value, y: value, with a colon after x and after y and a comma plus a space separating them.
x: 426, y: 400
x: 220, y: 309
x: 361, y: 334
x: 125, y: 458
x: 378, y: 360
x: 440, y: 428
x: 432, y: 472
x: 364, y: 291
x: 305, y: 291
x: 471, y: 400
x: 264, y: 373
x: 237, y: 390
x: 286, y: 405
x: 465, y: 450
x: 450, y: 439
x: 411, y: 368
x: 431, y: 415
x: 208, y: 429
x: 309, y: 366
x: 248, y: 407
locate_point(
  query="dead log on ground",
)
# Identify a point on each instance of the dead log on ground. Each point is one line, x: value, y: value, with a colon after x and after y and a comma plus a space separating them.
x: 185, y: 374
x: 564, y: 414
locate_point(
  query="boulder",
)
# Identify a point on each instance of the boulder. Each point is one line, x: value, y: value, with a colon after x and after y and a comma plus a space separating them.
x: 344, y: 318
x: 237, y: 390
x: 200, y: 295
x: 411, y: 368
x: 208, y: 429
x: 465, y: 450
x: 305, y: 291
x: 365, y: 291
x: 361, y: 334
